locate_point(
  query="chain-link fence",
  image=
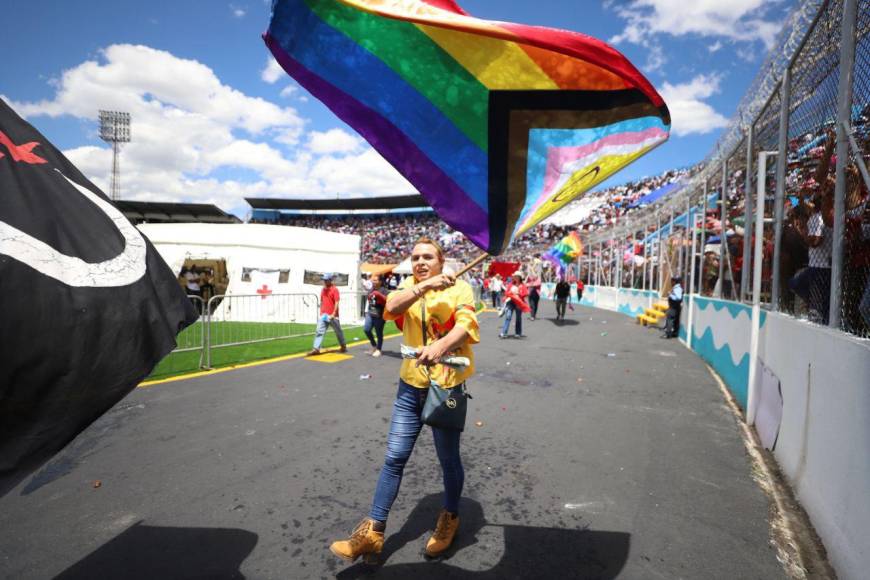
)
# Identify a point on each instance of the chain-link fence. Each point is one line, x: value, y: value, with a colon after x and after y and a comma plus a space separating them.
x: 807, y: 237
x: 808, y: 108
x: 856, y: 258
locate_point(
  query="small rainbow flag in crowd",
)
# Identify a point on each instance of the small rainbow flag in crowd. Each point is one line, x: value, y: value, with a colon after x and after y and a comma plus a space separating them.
x: 564, y: 252
x: 497, y: 125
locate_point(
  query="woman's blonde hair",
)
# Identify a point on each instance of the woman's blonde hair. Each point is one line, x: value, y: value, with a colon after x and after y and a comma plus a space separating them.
x: 434, y: 244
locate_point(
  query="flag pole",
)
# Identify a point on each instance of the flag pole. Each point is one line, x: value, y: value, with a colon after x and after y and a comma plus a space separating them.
x: 474, y: 263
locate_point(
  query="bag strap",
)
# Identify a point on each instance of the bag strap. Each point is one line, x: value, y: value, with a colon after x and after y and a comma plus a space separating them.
x: 423, y: 317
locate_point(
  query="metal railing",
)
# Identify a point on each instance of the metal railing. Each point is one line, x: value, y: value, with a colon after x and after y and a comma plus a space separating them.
x: 808, y: 108
x: 229, y: 320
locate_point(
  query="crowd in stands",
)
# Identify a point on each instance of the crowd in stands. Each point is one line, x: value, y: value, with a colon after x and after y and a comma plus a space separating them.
x: 611, y: 205
x: 386, y: 238
x: 806, y: 240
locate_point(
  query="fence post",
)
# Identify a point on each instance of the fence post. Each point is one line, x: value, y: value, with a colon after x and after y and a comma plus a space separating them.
x: 703, y: 233
x: 208, y: 334
x: 643, y: 267
x: 691, y: 281
x: 598, y: 266
x: 670, y: 244
x: 685, y: 253
x: 659, y: 250
x: 779, y: 198
x: 614, y: 264
x: 747, y: 217
x: 633, y: 247
x: 723, y: 228
x: 844, y: 107
x: 752, y: 395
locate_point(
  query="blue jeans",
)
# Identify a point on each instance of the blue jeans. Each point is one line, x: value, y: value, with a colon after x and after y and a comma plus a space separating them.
x: 510, y: 309
x: 376, y: 323
x: 321, y: 331
x: 404, y: 429
x: 813, y: 285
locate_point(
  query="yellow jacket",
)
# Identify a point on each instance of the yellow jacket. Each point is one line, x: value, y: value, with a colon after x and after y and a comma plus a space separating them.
x: 444, y: 309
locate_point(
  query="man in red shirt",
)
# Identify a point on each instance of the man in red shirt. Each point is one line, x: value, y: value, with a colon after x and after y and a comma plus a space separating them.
x: 329, y: 300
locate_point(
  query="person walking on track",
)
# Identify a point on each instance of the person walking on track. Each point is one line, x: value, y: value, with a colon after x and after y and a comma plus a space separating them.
x: 376, y: 299
x: 515, y: 305
x: 562, y: 293
x: 329, y: 299
x: 533, y: 283
x: 439, y: 319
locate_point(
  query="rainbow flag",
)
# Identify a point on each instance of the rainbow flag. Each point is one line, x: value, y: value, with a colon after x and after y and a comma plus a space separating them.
x: 564, y: 252
x: 498, y: 125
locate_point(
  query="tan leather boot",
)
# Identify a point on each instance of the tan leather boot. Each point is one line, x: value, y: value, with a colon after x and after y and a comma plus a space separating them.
x: 363, y: 541
x: 445, y: 531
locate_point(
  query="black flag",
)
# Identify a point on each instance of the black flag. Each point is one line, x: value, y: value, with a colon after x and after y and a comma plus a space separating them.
x: 87, y: 306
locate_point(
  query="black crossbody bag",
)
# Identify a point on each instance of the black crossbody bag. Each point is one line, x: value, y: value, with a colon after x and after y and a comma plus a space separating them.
x: 444, y: 408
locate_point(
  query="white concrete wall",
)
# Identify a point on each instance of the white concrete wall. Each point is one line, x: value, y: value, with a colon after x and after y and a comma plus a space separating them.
x: 823, y: 441
x: 823, y: 447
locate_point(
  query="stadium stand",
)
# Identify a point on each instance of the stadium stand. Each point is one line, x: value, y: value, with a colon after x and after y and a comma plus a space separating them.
x: 389, y: 225
x: 140, y: 212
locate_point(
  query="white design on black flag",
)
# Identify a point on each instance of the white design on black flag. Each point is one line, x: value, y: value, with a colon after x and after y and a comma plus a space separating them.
x: 87, y: 306
x: 123, y: 269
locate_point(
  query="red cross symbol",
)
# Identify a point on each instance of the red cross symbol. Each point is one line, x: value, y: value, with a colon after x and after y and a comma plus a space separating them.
x: 21, y: 152
x: 264, y: 291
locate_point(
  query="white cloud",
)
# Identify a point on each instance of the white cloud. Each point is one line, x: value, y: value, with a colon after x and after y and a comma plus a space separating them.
x: 237, y: 11
x: 367, y: 173
x: 196, y: 139
x: 333, y: 141
x: 288, y: 91
x: 738, y: 20
x: 689, y: 113
x: 272, y: 71
x: 715, y: 47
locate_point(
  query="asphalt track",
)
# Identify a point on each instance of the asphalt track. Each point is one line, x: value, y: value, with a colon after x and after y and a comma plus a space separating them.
x: 602, y: 452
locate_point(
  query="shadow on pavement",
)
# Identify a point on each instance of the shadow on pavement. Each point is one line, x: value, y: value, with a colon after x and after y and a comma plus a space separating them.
x: 150, y: 552
x: 529, y: 552
x: 565, y: 322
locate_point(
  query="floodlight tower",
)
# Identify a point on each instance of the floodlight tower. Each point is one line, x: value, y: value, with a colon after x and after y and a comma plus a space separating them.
x: 115, y: 129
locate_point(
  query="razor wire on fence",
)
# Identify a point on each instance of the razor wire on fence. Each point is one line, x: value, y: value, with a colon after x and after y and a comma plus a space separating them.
x: 807, y: 109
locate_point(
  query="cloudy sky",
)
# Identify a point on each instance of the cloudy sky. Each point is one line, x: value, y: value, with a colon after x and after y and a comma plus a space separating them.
x: 215, y: 119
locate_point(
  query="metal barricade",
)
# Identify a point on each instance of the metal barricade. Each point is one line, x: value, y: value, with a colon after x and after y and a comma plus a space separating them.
x: 352, y: 308
x: 237, y: 319
x: 193, y: 337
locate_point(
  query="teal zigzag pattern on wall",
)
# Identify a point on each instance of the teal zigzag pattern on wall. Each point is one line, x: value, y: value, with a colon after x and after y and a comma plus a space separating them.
x: 736, y: 377
x: 728, y: 324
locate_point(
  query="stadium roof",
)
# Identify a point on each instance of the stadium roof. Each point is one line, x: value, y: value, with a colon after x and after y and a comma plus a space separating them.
x: 166, y: 212
x: 353, y: 203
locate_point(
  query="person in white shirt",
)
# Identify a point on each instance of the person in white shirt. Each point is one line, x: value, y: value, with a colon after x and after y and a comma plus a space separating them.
x: 496, y: 288
x: 813, y: 285
x: 192, y: 282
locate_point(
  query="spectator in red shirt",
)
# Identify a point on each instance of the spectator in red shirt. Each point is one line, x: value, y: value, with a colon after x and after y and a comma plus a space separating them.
x: 515, y: 303
x: 329, y: 300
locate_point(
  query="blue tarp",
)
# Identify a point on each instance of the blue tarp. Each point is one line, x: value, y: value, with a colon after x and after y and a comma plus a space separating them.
x: 656, y: 194
x: 681, y: 220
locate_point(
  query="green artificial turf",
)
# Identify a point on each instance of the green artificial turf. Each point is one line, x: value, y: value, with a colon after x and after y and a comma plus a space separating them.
x: 181, y: 363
